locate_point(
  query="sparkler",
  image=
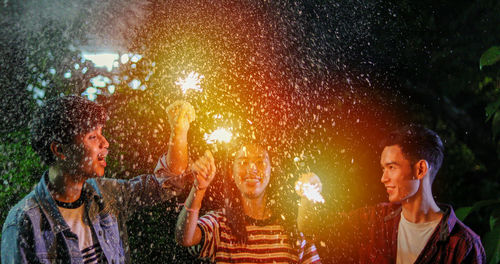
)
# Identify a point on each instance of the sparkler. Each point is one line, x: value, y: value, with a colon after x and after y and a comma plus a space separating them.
x: 191, y: 82
x: 310, y: 191
x: 218, y: 135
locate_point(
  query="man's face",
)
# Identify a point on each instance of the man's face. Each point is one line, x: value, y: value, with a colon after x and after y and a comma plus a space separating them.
x: 398, y: 175
x: 251, y: 171
x: 89, y: 153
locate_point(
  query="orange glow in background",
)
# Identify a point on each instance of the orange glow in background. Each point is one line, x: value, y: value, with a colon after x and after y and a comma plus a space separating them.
x: 329, y: 124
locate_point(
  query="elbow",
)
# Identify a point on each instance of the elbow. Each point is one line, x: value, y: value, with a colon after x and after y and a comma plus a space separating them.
x: 178, y: 171
x: 183, y: 241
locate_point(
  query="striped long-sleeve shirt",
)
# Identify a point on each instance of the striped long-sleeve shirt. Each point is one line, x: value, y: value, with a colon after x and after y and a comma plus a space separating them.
x: 267, y: 243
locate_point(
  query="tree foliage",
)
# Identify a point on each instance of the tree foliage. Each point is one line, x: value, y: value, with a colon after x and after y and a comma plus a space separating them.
x: 314, y: 68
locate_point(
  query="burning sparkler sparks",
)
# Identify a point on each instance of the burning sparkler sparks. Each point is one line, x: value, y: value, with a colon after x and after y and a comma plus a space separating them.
x: 220, y: 135
x: 310, y: 191
x: 191, y: 82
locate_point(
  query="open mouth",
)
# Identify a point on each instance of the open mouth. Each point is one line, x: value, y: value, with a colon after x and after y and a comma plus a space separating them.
x: 101, y: 158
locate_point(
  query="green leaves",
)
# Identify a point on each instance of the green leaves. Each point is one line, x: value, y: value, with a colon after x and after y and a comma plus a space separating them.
x: 491, y: 109
x: 489, y: 57
x: 463, y: 212
x: 491, y: 240
x: 491, y: 243
x: 495, y: 125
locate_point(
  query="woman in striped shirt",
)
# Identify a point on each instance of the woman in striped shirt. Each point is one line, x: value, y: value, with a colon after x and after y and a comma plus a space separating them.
x: 247, y: 229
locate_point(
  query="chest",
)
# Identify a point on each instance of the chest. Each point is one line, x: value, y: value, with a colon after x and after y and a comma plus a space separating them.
x: 265, y: 244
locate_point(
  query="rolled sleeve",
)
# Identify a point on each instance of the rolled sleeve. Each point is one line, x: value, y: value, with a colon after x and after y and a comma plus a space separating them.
x: 141, y: 191
x: 210, y: 227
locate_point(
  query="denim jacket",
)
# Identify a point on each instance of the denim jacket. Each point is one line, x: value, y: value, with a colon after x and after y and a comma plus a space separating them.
x: 35, y: 231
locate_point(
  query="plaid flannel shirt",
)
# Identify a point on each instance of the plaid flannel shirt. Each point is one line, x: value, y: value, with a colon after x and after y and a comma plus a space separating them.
x: 369, y: 235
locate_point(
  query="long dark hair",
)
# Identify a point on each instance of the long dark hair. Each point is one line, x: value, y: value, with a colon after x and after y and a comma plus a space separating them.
x: 233, y: 206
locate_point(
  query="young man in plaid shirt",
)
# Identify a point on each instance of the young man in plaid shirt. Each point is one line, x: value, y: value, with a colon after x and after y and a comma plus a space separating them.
x: 412, y: 227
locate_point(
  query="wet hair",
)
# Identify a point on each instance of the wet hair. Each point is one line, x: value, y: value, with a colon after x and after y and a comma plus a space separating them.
x: 236, y: 218
x: 60, y: 120
x: 418, y: 143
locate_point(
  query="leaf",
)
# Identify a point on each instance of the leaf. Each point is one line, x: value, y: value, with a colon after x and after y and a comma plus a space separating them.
x: 495, y: 125
x: 491, y: 108
x: 463, y: 212
x: 489, y: 57
x: 494, y: 218
x: 491, y: 242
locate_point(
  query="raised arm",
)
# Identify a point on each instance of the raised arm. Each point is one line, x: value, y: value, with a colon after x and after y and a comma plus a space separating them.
x: 307, y: 212
x: 187, y: 232
x: 180, y: 115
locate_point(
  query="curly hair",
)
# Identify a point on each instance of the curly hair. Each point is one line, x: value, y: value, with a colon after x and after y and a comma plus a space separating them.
x: 60, y: 120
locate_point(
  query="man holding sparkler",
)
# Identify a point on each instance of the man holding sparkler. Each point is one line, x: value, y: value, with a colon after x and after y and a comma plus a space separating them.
x: 412, y: 228
x: 248, y: 229
x: 74, y: 215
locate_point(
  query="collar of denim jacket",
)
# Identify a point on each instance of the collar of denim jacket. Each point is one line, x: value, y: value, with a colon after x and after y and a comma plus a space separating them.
x: 48, y: 205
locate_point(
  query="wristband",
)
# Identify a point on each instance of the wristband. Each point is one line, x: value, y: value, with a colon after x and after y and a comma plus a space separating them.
x: 189, y: 209
x: 198, y: 187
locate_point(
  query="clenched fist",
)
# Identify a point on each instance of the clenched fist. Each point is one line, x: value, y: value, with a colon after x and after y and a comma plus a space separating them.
x: 204, y: 171
x: 180, y: 115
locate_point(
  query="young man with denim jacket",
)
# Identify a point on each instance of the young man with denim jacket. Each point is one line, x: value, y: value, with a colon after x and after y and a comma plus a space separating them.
x: 74, y: 215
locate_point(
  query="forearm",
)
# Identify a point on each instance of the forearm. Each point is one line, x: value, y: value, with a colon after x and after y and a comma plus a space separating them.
x: 305, y: 217
x: 187, y: 232
x: 177, y: 155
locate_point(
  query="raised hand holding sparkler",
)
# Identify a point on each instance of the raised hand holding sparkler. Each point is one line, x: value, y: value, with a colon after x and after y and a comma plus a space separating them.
x: 180, y: 115
x: 204, y: 171
x: 309, y: 186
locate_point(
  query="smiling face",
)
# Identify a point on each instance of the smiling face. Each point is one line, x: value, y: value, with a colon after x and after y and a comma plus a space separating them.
x: 398, y: 175
x: 88, y: 154
x: 251, y: 171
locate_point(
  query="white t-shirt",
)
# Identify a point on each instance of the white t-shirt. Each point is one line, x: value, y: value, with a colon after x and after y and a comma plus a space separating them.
x: 412, y: 238
x: 77, y: 221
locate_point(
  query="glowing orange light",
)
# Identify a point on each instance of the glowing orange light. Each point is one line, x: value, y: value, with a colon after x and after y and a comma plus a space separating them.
x: 220, y: 135
x: 191, y: 82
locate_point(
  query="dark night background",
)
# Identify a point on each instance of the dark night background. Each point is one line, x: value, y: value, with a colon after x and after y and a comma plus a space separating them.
x: 320, y: 82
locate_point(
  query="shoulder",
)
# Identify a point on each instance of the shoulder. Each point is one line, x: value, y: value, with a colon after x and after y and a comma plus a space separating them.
x: 457, y: 230
x: 213, y: 218
x: 218, y: 215
x: 466, y: 243
x: 106, y: 186
x: 380, y: 210
x: 100, y: 183
x: 387, y: 208
x: 464, y: 235
x: 19, y: 212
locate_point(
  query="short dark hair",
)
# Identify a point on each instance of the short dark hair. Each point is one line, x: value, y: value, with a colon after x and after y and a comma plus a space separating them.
x: 61, y: 119
x: 418, y: 143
